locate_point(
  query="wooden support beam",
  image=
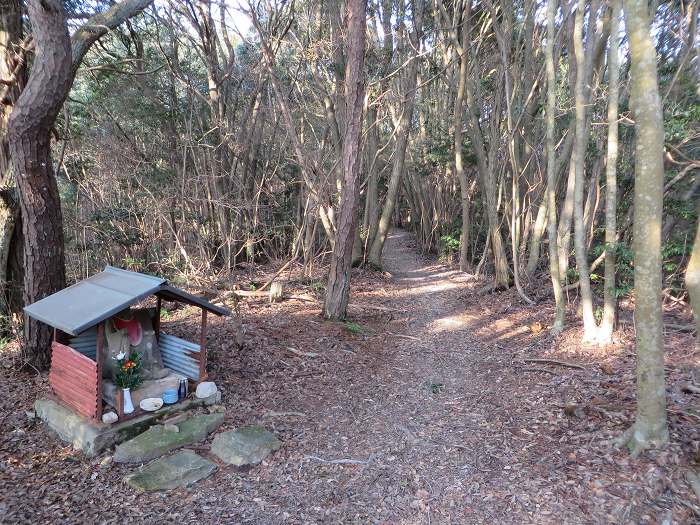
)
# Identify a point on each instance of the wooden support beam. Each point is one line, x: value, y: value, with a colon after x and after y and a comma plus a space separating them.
x: 119, y: 400
x: 99, y: 359
x: 203, y: 348
x: 156, y: 324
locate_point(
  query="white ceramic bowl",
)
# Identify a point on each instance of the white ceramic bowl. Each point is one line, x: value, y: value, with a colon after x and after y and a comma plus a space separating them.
x: 151, y: 404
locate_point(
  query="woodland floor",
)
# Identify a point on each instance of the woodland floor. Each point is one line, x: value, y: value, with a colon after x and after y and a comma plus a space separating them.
x: 431, y: 396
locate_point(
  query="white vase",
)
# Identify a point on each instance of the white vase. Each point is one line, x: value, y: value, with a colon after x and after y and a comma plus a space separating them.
x: 128, y: 405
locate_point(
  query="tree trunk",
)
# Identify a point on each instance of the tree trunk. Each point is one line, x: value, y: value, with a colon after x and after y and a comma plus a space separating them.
x: 13, y: 70
x: 554, y: 271
x: 650, y: 428
x: 371, y: 217
x: 30, y: 147
x: 692, y: 282
x: 402, y: 134
x: 338, y: 289
x: 609, y: 295
x: 459, y: 160
x: 578, y: 160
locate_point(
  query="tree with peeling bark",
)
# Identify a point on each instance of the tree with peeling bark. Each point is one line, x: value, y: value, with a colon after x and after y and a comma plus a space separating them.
x: 338, y: 289
x: 650, y: 428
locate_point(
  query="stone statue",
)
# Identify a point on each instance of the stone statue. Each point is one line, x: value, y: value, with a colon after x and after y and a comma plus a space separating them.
x: 132, y: 331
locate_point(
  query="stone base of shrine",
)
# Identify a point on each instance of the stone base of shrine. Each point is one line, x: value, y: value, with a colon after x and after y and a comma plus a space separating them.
x: 91, y: 437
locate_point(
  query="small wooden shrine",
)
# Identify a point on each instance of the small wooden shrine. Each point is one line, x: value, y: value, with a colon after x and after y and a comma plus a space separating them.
x: 94, y: 319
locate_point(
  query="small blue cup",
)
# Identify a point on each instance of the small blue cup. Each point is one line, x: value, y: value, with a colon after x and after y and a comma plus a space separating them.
x: 170, y: 396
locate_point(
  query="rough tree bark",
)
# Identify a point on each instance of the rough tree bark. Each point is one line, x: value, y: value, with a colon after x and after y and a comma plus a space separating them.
x: 338, y: 289
x: 554, y: 271
x: 650, y: 427
x: 12, y: 79
x: 53, y: 70
x: 30, y: 148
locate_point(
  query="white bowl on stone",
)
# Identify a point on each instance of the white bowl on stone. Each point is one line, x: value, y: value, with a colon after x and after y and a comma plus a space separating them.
x: 151, y: 404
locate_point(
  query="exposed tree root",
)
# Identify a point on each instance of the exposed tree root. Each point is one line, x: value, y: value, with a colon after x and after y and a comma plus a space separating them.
x: 637, y: 441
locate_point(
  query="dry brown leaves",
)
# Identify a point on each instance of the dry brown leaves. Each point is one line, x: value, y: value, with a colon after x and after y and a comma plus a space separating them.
x: 426, y: 413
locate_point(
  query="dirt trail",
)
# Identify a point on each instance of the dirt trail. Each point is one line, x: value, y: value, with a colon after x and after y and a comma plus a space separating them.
x: 422, y: 412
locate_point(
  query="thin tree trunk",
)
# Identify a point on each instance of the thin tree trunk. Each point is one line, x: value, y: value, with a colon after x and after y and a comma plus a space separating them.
x: 692, y: 282
x: 650, y: 428
x: 609, y: 295
x: 338, y: 289
x: 554, y: 270
x: 580, y: 145
x: 30, y: 147
x: 459, y: 160
x: 371, y: 217
x: 403, y: 129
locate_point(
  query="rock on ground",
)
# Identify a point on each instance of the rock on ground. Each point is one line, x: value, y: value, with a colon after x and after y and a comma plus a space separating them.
x: 179, y: 470
x: 158, y: 440
x: 245, y: 446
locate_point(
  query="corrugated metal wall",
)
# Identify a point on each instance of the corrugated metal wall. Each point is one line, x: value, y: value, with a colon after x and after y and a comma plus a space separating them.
x: 179, y: 355
x: 86, y: 343
x: 73, y: 378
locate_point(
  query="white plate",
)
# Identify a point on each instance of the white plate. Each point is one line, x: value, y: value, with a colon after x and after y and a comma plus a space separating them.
x: 151, y: 404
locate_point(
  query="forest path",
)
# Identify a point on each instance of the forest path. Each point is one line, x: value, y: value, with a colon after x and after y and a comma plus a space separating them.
x: 446, y: 402
x: 424, y: 410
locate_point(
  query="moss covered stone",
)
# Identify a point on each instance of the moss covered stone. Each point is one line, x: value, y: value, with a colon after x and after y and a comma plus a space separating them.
x: 158, y: 440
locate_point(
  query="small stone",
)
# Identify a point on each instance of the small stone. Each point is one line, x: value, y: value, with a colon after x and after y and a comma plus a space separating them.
x: 217, y: 408
x: 31, y: 415
x: 245, y: 446
x: 212, y: 400
x: 109, y: 418
x: 171, y: 428
x: 205, y: 389
x: 106, y: 461
x: 179, y: 470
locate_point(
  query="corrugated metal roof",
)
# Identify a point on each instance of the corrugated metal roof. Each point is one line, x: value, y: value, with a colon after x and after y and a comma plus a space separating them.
x: 95, y: 299
x: 170, y: 293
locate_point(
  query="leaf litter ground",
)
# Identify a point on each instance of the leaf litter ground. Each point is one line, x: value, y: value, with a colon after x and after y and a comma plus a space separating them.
x: 424, y: 408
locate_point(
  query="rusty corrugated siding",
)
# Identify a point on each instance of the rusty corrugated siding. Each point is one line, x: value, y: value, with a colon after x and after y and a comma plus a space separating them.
x: 73, y: 378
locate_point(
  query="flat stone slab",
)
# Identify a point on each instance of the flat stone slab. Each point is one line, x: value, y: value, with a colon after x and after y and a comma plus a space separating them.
x: 245, y: 446
x: 92, y: 437
x: 182, y: 469
x: 159, y: 440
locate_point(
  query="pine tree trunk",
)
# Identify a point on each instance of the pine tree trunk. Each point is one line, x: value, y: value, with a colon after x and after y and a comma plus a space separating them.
x: 338, y: 289
x: 14, y: 70
x: 30, y: 148
x: 650, y: 428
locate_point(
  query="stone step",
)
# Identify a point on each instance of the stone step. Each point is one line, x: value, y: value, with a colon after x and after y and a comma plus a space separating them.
x: 182, y: 469
x: 245, y: 446
x: 159, y: 440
